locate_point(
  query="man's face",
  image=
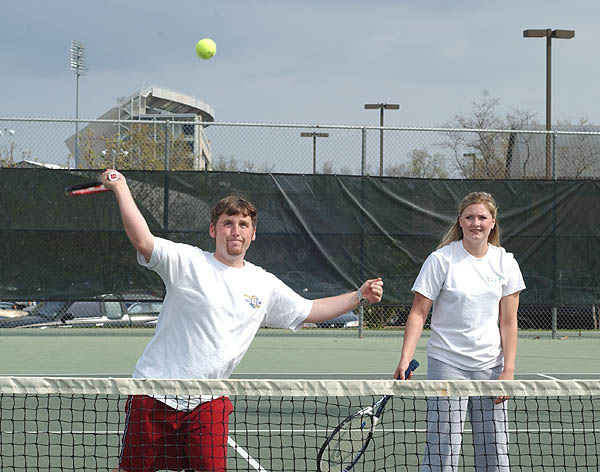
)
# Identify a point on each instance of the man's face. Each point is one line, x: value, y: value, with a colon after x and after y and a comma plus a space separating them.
x: 233, y: 235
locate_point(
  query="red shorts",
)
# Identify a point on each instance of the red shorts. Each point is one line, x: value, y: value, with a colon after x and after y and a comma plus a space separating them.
x: 159, y: 437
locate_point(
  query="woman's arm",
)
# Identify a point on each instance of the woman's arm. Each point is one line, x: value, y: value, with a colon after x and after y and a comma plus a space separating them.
x: 412, y: 332
x: 509, y: 305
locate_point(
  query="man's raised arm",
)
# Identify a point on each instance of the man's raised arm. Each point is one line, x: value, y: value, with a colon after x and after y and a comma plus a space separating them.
x: 135, y: 225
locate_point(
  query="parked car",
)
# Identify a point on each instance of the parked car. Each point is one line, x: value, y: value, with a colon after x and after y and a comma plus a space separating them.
x: 143, y: 313
x: 65, y: 313
x: 10, y: 310
x: 347, y: 320
x: 153, y: 307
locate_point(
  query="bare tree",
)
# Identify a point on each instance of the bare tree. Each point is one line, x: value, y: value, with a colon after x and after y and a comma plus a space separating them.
x: 327, y: 168
x: 576, y: 154
x: 225, y: 163
x: 421, y: 165
x: 481, y: 153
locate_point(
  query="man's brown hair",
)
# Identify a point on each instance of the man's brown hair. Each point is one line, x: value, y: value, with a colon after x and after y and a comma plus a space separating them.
x: 233, y: 205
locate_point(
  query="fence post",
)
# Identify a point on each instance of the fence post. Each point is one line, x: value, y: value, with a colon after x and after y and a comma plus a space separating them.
x: 166, y: 185
x: 554, y: 240
x: 363, y: 165
x: 363, y: 154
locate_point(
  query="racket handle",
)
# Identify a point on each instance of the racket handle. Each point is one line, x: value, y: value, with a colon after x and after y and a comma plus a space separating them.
x: 112, y: 176
x: 412, y: 366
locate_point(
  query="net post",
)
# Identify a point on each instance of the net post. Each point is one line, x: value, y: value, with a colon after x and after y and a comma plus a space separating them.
x: 361, y: 318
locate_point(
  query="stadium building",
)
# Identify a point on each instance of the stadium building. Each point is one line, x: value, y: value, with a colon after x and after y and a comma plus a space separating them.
x: 152, y: 104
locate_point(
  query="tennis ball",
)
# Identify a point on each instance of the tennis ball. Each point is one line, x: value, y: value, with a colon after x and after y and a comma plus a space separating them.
x: 206, y: 48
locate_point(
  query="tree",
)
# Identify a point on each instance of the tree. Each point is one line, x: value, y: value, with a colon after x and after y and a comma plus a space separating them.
x: 231, y: 164
x: 327, y: 168
x: 576, y: 154
x: 421, y: 165
x: 225, y: 164
x: 481, y: 153
x: 142, y: 146
x: 7, y: 155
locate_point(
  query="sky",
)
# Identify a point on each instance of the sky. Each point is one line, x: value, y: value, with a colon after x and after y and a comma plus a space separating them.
x: 303, y: 61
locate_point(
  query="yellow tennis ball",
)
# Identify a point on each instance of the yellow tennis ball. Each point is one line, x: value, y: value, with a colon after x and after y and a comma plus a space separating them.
x: 206, y: 48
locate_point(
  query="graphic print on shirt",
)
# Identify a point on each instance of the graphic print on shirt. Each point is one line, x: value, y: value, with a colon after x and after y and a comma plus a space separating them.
x: 253, y: 301
x: 494, y: 280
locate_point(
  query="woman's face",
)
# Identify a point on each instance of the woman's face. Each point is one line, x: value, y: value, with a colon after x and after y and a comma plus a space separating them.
x: 476, y: 222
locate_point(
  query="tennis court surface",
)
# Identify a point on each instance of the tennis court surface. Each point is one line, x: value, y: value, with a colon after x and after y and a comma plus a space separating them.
x: 61, y: 417
x: 279, y: 425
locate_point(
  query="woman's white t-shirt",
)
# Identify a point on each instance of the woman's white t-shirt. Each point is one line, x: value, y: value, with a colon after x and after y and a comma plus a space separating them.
x: 466, y: 293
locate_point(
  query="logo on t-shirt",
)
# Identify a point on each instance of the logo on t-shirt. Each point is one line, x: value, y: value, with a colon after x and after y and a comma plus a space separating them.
x: 252, y: 300
x: 493, y: 280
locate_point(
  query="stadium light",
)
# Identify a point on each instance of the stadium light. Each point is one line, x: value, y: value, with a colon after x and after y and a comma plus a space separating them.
x: 79, y: 68
x: 381, y: 107
x: 548, y: 34
x: 314, y: 136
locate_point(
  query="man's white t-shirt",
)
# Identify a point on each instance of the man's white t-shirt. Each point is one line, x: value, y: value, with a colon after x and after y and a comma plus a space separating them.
x: 211, y: 313
x: 466, y: 293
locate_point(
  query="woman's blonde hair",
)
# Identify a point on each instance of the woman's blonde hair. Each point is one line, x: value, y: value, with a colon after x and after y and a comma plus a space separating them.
x: 455, y: 232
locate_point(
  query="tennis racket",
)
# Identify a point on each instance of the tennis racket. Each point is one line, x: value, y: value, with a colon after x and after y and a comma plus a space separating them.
x: 349, y: 440
x: 90, y: 187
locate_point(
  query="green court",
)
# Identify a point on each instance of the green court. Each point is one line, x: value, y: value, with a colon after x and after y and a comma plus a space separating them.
x: 305, y: 354
x: 275, y: 433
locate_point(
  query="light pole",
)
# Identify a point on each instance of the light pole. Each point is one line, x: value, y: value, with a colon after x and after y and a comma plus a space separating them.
x: 9, y: 132
x: 381, y: 107
x: 548, y: 34
x: 471, y: 155
x: 77, y: 66
x: 314, y: 136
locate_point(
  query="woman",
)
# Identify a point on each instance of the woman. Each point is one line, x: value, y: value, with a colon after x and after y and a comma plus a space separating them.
x: 474, y: 286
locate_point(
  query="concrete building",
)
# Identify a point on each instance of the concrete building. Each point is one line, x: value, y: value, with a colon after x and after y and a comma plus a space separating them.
x: 150, y: 104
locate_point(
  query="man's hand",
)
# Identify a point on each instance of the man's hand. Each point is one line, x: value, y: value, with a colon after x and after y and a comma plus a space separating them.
x: 372, y: 290
x: 110, y: 182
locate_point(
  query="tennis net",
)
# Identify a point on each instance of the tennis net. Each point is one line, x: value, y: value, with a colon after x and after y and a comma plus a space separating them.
x: 280, y: 425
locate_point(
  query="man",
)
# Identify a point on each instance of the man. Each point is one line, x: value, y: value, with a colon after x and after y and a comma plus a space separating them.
x: 214, y: 305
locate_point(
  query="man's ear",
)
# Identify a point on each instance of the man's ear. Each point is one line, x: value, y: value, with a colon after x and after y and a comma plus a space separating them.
x: 254, y: 234
x: 212, y: 231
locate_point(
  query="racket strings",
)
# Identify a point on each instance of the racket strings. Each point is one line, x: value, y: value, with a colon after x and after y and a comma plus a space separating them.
x: 347, y: 443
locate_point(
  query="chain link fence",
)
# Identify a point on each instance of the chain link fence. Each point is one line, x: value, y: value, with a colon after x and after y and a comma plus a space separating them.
x: 159, y: 144
x: 427, y: 153
x: 377, y: 320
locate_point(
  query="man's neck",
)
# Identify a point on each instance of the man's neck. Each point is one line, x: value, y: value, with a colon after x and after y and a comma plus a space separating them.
x: 233, y: 261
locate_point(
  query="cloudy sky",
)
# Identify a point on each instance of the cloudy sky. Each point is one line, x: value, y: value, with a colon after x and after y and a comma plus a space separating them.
x: 303, y: 61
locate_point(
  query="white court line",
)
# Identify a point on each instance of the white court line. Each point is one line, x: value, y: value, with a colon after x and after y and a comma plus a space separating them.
x: 242, y: 452
x: 547, y: 376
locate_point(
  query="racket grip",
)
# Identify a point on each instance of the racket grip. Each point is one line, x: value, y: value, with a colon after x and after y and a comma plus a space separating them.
x: 112, y: 176
x: 412, y: 366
